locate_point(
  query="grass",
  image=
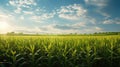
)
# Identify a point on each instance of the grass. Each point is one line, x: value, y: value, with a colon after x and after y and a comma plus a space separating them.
x: 60, y: 51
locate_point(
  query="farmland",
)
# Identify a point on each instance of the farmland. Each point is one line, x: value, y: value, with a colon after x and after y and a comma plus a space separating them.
x: 60, y: 51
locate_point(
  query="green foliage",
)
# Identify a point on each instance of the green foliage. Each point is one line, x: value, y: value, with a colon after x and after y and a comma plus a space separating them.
x: 60, y: 51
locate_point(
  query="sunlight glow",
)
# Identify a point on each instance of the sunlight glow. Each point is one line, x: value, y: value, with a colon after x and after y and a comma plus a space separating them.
x: 4, y: 26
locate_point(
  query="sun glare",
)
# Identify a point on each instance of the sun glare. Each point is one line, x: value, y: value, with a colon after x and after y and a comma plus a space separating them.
x: 4, y: 27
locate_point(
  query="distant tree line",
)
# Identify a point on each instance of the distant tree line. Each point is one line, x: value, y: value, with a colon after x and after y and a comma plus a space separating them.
x: 96, y: 33
x: 13, y: 33
x: 106, y: 33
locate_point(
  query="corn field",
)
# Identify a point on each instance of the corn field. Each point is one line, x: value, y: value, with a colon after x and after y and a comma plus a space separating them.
x: 60, y: 51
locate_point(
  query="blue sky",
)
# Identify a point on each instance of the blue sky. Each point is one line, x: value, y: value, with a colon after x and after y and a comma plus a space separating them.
x: 59, y: 16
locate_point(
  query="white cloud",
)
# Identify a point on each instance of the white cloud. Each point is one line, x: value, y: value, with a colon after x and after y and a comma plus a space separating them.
x: 69, y: 17
x: 80, y: 24
x: 18, y: 10
x: 34, y: 14
x: 44, y: 16
x: 80, y: 27
x: 28, y: 12
x: 71, y: 12
x: 11, y: 2
x: 4, y: 16
x: 112, y: 21
x: 99, y: 3
x: 86, y: 29
x: 22, y: 3
x: 22, y: 18
x: 53, y: 30
x: 74, y: 26
x: 26, y: 30
x: 107, y: 21
x: 43, y: 29
x: 92, y: 29
x: 98, y: 28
